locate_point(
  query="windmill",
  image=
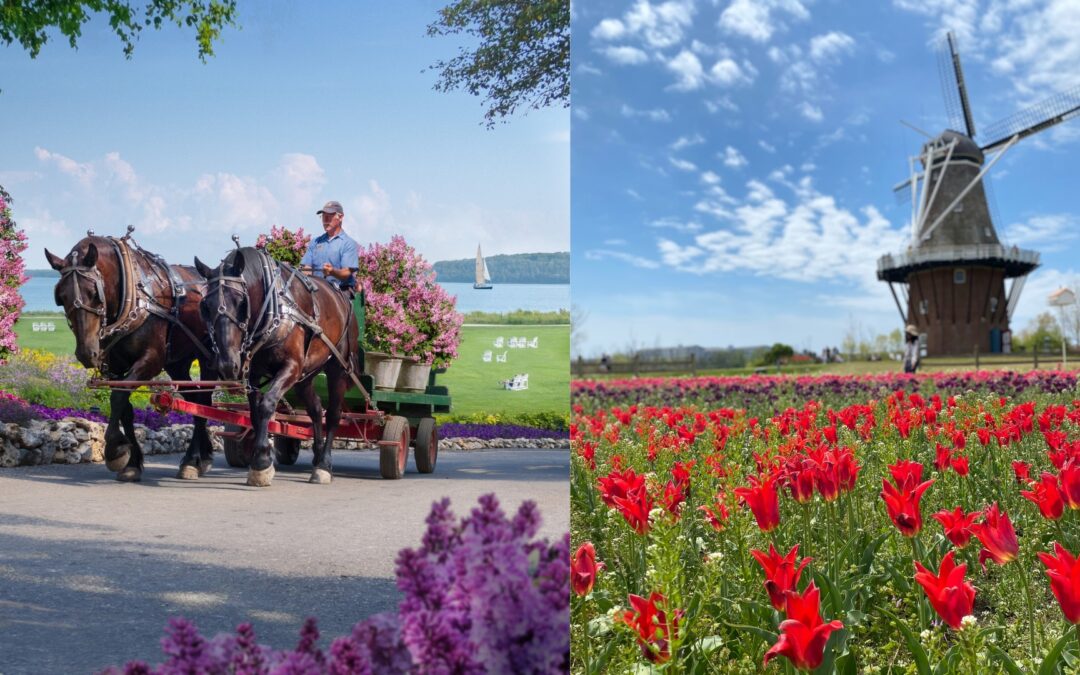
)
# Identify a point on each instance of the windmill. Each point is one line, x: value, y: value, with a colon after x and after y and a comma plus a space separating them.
x: 952, y: 275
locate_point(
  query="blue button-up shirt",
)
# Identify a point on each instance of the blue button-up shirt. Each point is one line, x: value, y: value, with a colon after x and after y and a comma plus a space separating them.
x: 340, y: 251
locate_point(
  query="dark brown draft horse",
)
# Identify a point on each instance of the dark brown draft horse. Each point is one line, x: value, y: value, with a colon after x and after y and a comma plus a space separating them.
x: 271, y: 324
x: 133, y: 315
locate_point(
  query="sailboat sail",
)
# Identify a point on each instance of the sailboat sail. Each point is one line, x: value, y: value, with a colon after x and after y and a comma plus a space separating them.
x: 483, y: 277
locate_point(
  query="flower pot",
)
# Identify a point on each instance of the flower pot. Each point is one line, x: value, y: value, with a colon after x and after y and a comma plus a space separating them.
x: 414, y: 375
x: 384, y: 368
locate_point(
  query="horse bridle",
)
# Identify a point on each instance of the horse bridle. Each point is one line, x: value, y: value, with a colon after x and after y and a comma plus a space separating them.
x: 93, y: 274
x: 254, y: 340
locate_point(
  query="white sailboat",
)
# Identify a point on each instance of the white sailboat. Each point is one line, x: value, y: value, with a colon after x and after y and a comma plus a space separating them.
x: 483, y: 277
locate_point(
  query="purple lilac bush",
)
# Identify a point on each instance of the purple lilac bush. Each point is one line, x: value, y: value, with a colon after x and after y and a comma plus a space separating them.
x: 482, y: 595
x: 490, y: 431
x: 284, y: 245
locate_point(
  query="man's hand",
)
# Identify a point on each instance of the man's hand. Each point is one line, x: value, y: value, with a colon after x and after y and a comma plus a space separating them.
x: 328, y: 270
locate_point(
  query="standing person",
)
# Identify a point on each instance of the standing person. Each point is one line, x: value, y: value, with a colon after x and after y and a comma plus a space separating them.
x: 911, y: 349
x: 333, y: 255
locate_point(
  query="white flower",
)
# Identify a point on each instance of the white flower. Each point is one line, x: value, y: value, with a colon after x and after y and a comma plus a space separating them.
x: 968, y: 622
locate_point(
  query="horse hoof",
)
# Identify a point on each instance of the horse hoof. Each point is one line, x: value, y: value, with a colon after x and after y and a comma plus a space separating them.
x: 188, y: 472
x: 262, y: 478
x: 320, y: 477
x: 120, y: 461
x: 205, y: 466
x: 131, y: 474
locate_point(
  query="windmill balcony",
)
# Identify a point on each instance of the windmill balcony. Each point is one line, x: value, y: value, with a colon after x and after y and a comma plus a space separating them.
x: 1015, y: 261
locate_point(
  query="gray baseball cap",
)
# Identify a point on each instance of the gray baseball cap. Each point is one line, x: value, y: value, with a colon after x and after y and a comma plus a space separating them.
x: 330, y: 207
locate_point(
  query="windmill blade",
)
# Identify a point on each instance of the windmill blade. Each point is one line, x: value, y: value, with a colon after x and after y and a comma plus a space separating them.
x: 1043, y: 115
x: 953, y: 88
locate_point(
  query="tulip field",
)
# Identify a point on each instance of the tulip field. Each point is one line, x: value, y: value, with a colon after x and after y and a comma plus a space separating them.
x: 887, y: 523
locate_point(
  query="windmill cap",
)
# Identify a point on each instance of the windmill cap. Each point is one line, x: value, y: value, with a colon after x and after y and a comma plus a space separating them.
x: 331, y: 207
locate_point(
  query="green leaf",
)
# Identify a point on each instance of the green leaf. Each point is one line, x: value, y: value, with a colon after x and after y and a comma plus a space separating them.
x: 599, y: 663
x: 922, y: 662
x: 1003, y: 659
x: 948, y: 662
x: 870, y: 552
x: 1054, y: 656
x: 601, y: 625
x: 767, y: 635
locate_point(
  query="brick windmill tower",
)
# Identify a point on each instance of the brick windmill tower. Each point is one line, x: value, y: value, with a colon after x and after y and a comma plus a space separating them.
x: 952, y: 277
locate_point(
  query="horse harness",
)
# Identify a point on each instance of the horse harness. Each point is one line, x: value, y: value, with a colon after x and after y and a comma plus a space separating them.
x: 136, y: 305
x: 279, y: 307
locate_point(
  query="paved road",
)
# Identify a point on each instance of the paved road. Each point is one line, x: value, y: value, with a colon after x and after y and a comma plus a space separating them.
x: 91, y: 569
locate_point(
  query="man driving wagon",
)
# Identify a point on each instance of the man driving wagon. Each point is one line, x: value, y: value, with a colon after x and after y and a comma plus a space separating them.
x: 333, y: 255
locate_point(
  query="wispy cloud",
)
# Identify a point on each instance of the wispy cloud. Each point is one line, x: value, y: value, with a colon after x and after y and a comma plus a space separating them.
x: 758, y: 20
x: 622, y: 256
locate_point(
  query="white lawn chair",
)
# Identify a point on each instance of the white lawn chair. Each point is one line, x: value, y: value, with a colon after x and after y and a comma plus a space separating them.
x: 51, y: 327
x: 517, y: 383
x: 487, y: 356
x: 500, y: 358
x: 512, y: 343
x: 37, y: 327
x: 499, y: 342
x: 534, y: 343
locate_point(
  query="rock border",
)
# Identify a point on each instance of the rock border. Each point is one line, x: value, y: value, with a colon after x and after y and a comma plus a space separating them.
x: 74, y: 440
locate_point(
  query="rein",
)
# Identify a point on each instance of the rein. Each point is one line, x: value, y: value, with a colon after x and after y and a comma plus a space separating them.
x: 279, y: 307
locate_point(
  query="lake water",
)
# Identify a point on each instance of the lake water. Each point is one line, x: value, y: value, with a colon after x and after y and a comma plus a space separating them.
x: 38, y: 295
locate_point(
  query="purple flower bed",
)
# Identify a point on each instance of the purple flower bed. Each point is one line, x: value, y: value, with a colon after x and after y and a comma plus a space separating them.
x: 144, y: 416
x: 481, y: 595
x: 489, y: 431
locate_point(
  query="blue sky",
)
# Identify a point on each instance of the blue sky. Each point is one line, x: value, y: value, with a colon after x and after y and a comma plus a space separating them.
x: 307, y: 102
x: 733, y: 161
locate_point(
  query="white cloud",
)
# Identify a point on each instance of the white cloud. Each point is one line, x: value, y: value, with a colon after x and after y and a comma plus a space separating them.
x: 581, y: 112
x: 634, y: 194
x: 588, y: 69
x: 676, y: 224
x: 1048, y: 232
x: 688, y: 71
x: 723, y: 103
x: 759, y: 19
x: 805, y: 237
x: 682, y: 164
x: 84, y: 173
x: 625, y: 56
x: 609, y: 29
x: 655, y: 115
x: 607, y: 254
x: 727, y: 72
x: 614, y: 242
x: 656, y: 26
x: 831, y: 46
x: 1035, y: 45
x: 733, y: 158
x: 687, y: 141
x: 767, y: 147
x: 811, y: 111
x: 710, y: 178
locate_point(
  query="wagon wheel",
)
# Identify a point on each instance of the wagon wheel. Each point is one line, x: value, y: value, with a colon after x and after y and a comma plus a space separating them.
x: 426, y: 450
x: 238, y: 451
x: 286, y: 450
x: 394, y: 448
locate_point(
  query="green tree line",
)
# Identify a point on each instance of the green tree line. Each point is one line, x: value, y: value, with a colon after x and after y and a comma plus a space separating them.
x: 517, y: 268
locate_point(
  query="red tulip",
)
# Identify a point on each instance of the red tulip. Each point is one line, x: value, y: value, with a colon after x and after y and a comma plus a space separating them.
x: 1070, y: 483
x: 803, y: 634
x: 943, y: 456
x: 674, y: 496
x: 635, y: 508
x: 762, y: 499
x: 997, y: 536
x: 781, y: 573
x: 1064, y: 572
x: 950, y: 596
x: 957, y: 525
x: 584, y: 568
x: 651, y: 625
x: 902, y: 499
x: 799, y: 478
x: 1046, y: 495
x: 1022, y: 470
x: 960, y: 465
x: 617, y: 483
x: 587, y: 452
x: 716, y: 515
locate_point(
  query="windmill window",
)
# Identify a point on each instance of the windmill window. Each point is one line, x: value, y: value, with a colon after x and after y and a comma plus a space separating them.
x: 993, y: 306
x: 924, y: 307
x: 959, y: 276
x: 986, y: 231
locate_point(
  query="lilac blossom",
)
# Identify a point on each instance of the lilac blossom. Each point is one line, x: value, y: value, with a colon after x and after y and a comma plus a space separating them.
x: 12, y: 244
x: 481, y: 595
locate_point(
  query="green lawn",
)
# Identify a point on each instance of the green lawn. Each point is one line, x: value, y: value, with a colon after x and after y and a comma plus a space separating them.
x: 474, y: 384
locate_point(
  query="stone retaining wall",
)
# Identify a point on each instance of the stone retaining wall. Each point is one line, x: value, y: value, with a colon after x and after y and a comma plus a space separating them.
x: 73, y: 440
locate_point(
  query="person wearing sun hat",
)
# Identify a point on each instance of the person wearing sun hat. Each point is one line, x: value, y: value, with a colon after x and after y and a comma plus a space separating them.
x: 333, y: 255
x: 911, y: 349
